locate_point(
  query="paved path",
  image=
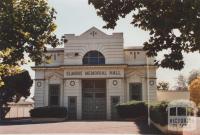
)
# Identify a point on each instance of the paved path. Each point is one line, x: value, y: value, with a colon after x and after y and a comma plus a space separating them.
x: 106, y: 127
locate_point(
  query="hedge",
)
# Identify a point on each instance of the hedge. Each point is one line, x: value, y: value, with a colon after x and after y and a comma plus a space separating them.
x: 49, y: 112
x: 198, y: 111
x: 158, y: 113
x: 132, y: 109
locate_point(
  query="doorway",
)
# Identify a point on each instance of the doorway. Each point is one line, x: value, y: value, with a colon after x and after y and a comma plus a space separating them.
x: 94, y: 99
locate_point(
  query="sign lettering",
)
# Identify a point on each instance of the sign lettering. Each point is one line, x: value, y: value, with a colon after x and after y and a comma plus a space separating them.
x: 94, y: 73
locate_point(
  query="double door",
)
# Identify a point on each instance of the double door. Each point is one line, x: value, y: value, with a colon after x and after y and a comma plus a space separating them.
x: 94, y: 99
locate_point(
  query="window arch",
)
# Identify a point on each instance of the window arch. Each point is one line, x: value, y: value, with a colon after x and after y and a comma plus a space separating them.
x: 93, y: 58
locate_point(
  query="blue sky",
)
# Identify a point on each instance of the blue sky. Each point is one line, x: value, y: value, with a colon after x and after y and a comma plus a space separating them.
x: 76, y: 16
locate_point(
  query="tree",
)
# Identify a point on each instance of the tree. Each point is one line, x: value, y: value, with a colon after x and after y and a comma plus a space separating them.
x: 26, y: 27
x: 15, y: 87
x: 163, y: 86
x: 173, y: 25
x: 181, y: 83
x: 195, y: 91
x: 7, y: 70
x: 193, y: 75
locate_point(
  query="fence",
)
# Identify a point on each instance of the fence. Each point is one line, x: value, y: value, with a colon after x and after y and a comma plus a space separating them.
x: 172, y: 95
x: 19, y: 110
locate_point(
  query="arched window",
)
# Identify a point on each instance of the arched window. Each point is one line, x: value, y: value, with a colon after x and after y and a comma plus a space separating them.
x: 93, y: 58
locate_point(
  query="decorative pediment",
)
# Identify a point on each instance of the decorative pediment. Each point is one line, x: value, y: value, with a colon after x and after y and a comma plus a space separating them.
x: 93, y: 33
x: 54, y: 76
x: 135, y: 74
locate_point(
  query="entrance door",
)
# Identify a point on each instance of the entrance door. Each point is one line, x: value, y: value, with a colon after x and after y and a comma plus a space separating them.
x: 72, y: 107
x: 114, y: 101
x: 94, y: 99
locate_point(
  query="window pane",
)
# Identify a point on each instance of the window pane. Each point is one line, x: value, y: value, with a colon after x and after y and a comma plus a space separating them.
x: 85, y: 60
x: 93, y: 54
x: 135, y: 91
x: 181, y: 111
x: 93, y: 57
x: 173, y: 111
x: 54, y: 100
x: 54, y: 94
x: 101, y: 61
x: 93, y: 61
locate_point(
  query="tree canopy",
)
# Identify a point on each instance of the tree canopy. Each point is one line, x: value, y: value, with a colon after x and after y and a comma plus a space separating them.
x: 194, y: 88
x: 163, y: 86
x: 26, y: 27
x: 18, y: 85
x: 181, y: 83
x: 194, y: 74
x: 173, y: 25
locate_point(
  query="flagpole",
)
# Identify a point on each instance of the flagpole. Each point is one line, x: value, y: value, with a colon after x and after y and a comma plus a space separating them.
x: 148, y: 98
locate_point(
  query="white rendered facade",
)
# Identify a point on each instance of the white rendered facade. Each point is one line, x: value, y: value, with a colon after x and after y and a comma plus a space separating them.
x: 125, y: 69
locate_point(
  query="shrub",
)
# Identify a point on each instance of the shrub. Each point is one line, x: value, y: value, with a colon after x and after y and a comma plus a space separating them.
x: 198, y: 111
x: 49, y: 112
x: 4, y: 111
x: 132, y: 109
x: 158, y: 113
x: 192, y: 112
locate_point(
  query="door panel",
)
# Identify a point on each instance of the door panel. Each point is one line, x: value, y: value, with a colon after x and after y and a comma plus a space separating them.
x: 72, y: 107
x: 100, y: 102
x: 88, y: 106
x: 94, y: 99
x: 114, y: 101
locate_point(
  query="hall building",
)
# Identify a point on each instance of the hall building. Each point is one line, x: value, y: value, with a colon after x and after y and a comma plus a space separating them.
x: 92, y: 73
